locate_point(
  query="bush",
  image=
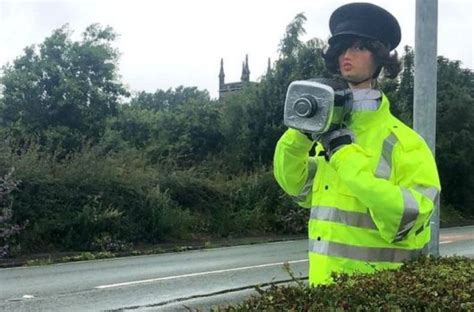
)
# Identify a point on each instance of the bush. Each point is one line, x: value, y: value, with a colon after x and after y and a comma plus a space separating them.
x: 100, y: 201
x: 91, y: 201
x: 424, y: 284
x: 8, y: 231
x: 222, y: 206
x: 263, y: 205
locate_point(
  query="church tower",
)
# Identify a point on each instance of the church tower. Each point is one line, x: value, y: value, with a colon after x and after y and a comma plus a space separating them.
x: 221, y: 75
x: 245, y: 77
x: 226, y: 88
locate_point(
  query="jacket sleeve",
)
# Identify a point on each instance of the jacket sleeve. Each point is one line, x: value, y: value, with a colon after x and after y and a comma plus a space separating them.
x: 401, y: 203
x: 294, y: 170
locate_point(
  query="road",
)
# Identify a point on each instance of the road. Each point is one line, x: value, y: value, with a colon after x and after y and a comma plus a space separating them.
x: 168, y: 282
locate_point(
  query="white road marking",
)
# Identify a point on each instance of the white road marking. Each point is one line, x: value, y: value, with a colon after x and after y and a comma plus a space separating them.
x: 21, y: 299
x: 445, y: 242
x: 197, y: 274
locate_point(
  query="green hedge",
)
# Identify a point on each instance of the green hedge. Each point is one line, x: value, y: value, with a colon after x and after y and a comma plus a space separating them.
x: 425, y: 284
x: 97, y: 202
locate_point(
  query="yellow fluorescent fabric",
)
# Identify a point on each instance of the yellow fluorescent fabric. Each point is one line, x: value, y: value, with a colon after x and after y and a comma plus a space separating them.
x: 370, y: 205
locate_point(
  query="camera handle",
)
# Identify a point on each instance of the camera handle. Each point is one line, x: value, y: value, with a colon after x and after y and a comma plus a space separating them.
x: 347, y: 99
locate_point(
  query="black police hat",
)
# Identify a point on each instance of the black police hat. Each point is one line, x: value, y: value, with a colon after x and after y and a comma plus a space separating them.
x: 365, y: 20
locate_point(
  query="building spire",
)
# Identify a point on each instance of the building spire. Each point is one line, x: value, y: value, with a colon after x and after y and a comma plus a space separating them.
x: 247, y: 65
x: 245, y: 70
x: 221, y: 74
x: 269, y: 67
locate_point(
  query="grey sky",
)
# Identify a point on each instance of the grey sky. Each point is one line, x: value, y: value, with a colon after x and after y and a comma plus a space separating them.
x: 180, y: 42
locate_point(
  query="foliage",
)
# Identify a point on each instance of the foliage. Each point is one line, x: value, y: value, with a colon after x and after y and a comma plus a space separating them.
x: 182, y: 136
x: 170, y: 99
x: 84, y: 201
x: 89, y: 201
x: 8, y: 230
x: 294, y: 30
x: 455, y: 134
x: 424, y: 284
x: 187, y: 135
x: 65, y: 85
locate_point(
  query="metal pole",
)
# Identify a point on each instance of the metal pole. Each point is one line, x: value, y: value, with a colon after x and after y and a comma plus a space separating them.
x: 424, y: 107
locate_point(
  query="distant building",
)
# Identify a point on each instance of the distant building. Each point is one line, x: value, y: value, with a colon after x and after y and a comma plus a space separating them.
x: 226, y: 88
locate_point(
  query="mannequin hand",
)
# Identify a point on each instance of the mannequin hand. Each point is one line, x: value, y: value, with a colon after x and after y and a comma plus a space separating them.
x: 334, y: 140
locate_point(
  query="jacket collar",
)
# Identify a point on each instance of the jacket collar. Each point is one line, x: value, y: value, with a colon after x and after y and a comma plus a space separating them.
x: 365, y: 119
x: 366, y: 99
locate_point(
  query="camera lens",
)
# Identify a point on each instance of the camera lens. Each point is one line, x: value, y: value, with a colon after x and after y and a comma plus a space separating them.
x: 305, y: 106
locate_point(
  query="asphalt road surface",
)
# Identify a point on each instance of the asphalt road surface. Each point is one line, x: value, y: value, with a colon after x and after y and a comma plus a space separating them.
x: 170, y: 282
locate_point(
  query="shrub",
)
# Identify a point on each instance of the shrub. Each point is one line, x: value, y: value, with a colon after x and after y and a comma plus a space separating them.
x: 91, y: 201
x: 106, y: 201
x: 424, y: 284
x: 8, y: 231
x: 262, y: 205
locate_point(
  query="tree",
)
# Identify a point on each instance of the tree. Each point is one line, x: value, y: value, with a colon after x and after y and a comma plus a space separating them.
x: 63, y: 84
x: 455, y: 134
x: 291, y: 41
x: 186, y: 135
x: 405, y: 96
x: 170, y: 99
x: 181, y: 126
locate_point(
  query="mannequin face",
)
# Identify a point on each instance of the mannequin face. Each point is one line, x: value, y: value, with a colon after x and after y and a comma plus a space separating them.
x: 356, y: 64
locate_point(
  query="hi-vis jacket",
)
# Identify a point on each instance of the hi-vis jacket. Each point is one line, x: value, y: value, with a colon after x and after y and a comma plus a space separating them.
x: 371, y: 203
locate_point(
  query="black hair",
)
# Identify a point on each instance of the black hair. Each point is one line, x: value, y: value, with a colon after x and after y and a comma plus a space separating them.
x: 382, y: 56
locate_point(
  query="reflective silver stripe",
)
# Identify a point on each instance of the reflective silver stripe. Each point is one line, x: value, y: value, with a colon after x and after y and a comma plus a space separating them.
x: 410, y: 213
x: 431, y: 192
x: 309, y: 181
x: 384, y: 168
x: 351, y: 218
x: 374, y: 254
